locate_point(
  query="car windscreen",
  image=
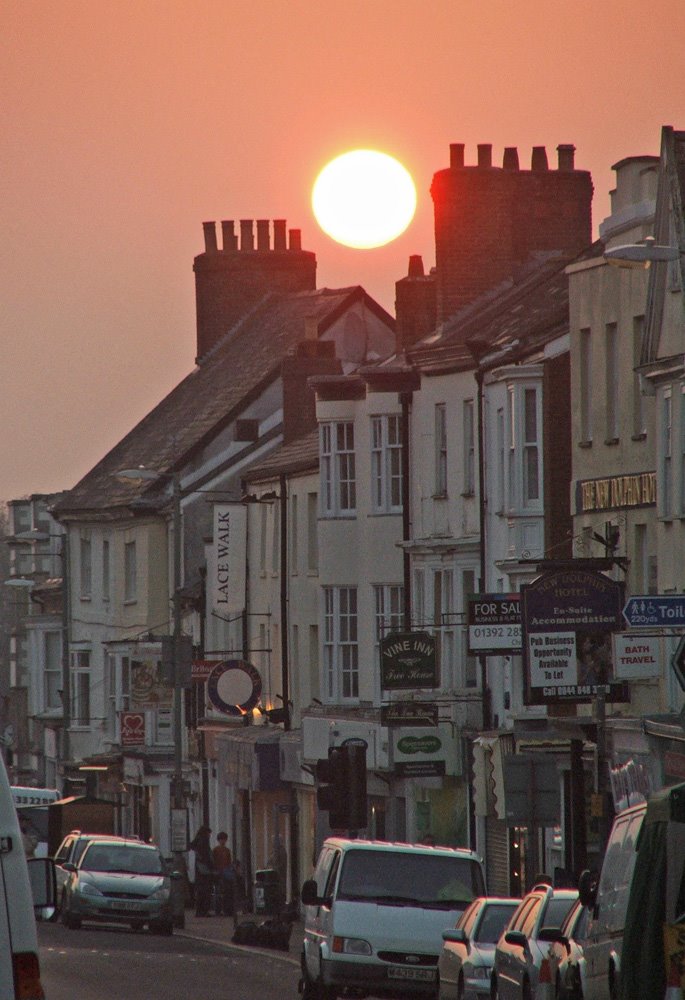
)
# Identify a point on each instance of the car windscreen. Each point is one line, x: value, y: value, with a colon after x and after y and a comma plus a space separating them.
x: 556, y: 912
x: 495, y: 917
x: 403, y: 879
x: 121, y: 858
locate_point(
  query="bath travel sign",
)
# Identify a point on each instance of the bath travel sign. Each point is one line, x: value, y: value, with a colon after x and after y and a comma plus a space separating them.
x: 408, y: 661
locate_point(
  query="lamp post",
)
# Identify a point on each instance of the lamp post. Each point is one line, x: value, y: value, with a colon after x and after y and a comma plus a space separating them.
x: 641, y: 254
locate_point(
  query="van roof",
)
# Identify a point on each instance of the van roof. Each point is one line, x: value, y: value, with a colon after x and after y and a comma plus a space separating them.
x: 347, y: 843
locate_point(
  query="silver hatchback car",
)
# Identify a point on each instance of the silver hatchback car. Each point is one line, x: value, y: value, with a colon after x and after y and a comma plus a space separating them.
x: 523, y: 944
x: 468, y: 949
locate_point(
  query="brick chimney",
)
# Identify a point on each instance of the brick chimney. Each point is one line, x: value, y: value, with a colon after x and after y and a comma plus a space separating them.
x: 311, y: 357
x: 489, y: 220
x: 231, y: 280
x: 414, y: 304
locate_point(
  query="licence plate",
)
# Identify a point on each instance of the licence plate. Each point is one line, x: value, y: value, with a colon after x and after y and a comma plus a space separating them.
x: 125, y: 905
x: 400, y: 972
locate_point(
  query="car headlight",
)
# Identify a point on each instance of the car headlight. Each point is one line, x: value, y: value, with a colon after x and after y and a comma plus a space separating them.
x: 351, y: 946
x: 161, y: 894
x: 88, y: 889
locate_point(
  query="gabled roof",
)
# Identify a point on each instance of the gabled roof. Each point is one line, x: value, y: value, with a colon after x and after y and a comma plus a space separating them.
x: 235, y: 371
x: 301, y: 455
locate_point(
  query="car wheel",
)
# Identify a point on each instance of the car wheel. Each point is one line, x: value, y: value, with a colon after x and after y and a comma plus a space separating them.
x: 310, y: 990
x: 460, y: 987
x: 526, y: 993
x: 494, y: 990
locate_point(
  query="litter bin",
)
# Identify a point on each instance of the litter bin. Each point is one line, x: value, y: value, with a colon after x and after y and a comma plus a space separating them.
x: 267, y: 891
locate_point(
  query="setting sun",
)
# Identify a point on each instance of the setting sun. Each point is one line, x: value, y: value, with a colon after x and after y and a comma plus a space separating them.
x: 364, y: 199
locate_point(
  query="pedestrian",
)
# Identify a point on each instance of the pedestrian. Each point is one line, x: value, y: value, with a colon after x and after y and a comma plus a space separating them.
x: 225, y: 877
x: 204, y: 871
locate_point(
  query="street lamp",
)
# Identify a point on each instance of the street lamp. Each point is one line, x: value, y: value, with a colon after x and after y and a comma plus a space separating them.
x: 641, y: 255
x: 141, y: 474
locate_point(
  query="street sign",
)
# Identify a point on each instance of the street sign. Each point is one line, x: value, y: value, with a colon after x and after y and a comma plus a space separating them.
x: 494, y: 623
x: 655, y: 610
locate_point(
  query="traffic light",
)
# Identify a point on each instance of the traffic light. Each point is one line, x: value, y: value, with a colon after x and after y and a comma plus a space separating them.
x: 342, y: 789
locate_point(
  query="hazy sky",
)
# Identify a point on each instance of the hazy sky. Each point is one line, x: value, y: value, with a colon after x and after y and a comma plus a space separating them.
x: 127, y: 123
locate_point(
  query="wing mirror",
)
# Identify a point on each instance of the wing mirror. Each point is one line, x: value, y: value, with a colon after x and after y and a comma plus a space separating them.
x: 587, y: 888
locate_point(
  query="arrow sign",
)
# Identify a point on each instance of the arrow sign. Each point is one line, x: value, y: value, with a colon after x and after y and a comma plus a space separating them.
x: 656, y: 611
x: 678, y: 665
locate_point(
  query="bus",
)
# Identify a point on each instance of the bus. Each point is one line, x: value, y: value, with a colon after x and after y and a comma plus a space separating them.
x: 24, y: 795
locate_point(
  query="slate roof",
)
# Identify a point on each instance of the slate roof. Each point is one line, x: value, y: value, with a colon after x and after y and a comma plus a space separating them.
x: 530, y: 309
x: 300, y: 455
x: 209, y: 398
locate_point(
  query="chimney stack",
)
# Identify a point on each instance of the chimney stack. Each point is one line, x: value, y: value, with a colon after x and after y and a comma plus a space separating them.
x: 510, y: 161
x: 489, y: 221
x: 263, y: 239
x: 231, y: 281
x: 228, y: 236
x: 484, y: 154
x: 246, y: 235
x: 280, y: 242
x: 539, y: 159
x: 414, y: 304
x: 209, y: 229
x: 566, y: 156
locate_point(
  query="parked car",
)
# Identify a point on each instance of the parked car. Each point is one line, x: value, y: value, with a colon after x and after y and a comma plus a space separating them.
x: 70, y: 851
x: 525, y: 941
x: 568, y: 960
x: 119, y: 881
x: 468, y: 950
x: 375, y: 912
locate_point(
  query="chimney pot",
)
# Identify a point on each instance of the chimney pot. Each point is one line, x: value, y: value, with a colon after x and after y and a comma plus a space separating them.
x: 539, y: 159
x: 456, y: 155
x: 510, y: 160
x: 566, y: 154
x: 263, y: 240
x: 280, y: 242
x: 295, y: 239
x: 246, y: 234
x: 415, y: 266
x: 228, y: 236
x: 209, y: 229
x: 484, y: 154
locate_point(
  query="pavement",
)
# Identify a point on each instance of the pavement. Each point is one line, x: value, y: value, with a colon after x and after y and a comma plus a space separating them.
x: 219, y: 931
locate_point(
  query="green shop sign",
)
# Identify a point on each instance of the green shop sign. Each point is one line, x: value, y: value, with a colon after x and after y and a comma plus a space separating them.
x: 419, y: 744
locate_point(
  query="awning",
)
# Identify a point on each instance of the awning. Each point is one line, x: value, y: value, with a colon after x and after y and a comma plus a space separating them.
x: 249, y: 759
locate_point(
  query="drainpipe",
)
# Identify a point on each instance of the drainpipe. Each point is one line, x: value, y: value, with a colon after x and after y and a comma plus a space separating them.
x: 405, y: 401
x: 285, y: 677
x: 485, y: 692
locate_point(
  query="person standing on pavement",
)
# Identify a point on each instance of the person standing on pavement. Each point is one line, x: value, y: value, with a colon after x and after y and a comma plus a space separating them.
x: 204, y: 871
x: 225, y: 877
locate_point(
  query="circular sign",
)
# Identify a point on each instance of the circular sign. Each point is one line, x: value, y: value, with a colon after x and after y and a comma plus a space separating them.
x: 234, y: 687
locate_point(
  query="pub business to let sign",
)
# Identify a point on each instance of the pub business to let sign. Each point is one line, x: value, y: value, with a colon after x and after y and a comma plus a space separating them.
x: 568, y: 618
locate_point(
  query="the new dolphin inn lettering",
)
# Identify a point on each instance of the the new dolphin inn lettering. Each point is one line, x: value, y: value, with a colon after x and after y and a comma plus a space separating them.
x: 635, y: 490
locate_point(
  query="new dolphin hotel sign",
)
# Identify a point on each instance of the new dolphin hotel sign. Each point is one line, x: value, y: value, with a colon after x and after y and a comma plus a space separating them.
x: 568, y: 617
x: 638, y: 489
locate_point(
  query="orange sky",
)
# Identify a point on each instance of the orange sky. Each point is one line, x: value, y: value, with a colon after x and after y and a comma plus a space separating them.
x: 127, y: 123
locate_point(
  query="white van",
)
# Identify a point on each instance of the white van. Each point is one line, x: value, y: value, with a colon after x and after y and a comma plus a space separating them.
x: 19, y: 899
x: 375, y: 913
x: 607, y: 901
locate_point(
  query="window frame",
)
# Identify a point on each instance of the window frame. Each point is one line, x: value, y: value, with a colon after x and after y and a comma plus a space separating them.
x: 338, y: 492
x: 340, y: 644
x: 386, y: 463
